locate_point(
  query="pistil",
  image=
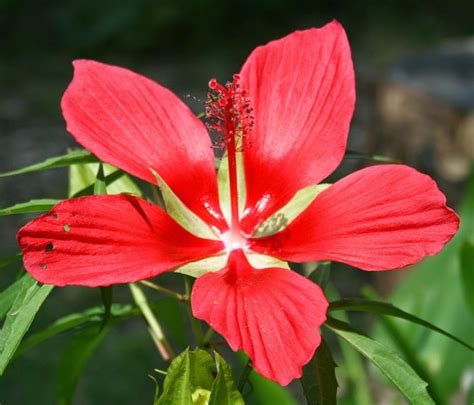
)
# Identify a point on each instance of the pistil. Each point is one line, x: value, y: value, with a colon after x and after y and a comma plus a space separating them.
x: 228, y: 115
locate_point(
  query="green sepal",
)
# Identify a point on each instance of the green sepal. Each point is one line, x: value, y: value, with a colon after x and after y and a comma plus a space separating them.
x: 182, y: 214
x: 285, y: 215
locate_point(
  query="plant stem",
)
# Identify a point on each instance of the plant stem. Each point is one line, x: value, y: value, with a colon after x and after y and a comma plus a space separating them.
x: 208, y: 336
x: 164, y: 290
x: 154, y: 327
x: 245, y: 375
x: 195, y: 323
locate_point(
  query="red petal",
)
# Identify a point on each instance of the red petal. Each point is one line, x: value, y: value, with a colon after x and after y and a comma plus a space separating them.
x: 102, y: 240
x: 134, y: 123
x: 272, y: 314
x: 302, y: 90
x: 379, y: 218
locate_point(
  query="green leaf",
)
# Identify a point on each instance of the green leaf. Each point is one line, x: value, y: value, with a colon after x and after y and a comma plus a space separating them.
x: 319, y: 377
x: 100, y: 187
x: 285, y: 215
x: 352, y: 154
x: 82, y: 180
x: 467, y: 272
x: 383, y: 308
x: 93, y: 315
x: 182, y: 214
x: 11, y: 259
x: 387, y: 360
x: 74, y: 359
x: 70, y: 158
x: 224, y: 391
x: 7, y: 296
x: 41, y: 205
x: 189, y: 379
x: 27, y: 303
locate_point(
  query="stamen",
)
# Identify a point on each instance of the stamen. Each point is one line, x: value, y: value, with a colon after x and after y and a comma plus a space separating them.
x: 228, y: 113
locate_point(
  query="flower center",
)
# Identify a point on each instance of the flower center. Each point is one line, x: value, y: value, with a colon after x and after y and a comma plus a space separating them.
x: 228, y: 114
x: 233, y: 241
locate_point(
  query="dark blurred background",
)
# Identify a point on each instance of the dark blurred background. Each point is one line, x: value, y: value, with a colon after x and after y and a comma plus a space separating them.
x: 415, y: 75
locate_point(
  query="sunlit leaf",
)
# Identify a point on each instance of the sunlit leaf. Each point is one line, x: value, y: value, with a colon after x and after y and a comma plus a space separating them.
x: 70, y: 158
x: 319, y: 377
x: 387, y: 360
x: 7, y: 296
x: 383, y: 308
x: 82, y: 180
x: 189, y: 379
x: 27, y: 303
x: 41, y: 205
x: 223, y: 391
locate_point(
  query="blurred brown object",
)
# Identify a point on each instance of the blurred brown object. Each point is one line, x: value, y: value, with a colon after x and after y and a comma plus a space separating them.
x: 423, y: 115
x: 423, y: 131
x: 424, y: 111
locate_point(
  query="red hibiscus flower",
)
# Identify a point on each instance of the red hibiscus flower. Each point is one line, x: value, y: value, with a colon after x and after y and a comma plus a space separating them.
x: 286, y: 116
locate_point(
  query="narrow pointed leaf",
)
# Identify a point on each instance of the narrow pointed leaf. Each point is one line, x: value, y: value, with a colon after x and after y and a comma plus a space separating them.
x: 383, y: 308
x: 41, y: 205
x: 8, y: 295
x: 70, y: 158
x: 11, y: 259
x: 224, y: 391
x: 467, y: 273
x: 387, y: 360
x: 319, y: 377
x: 74, y: 359
x: 92, y: 315
x: 100, y: 187
x: 82, y: 180
x: 352, y: 154
x: 19, y: 318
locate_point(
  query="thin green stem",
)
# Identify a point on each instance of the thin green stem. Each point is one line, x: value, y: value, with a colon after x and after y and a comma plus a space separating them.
x: 154, y: 327
x: 245, y: 375
x: 164, y: 290
x: 195, y: 323
x: 208, y: 336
